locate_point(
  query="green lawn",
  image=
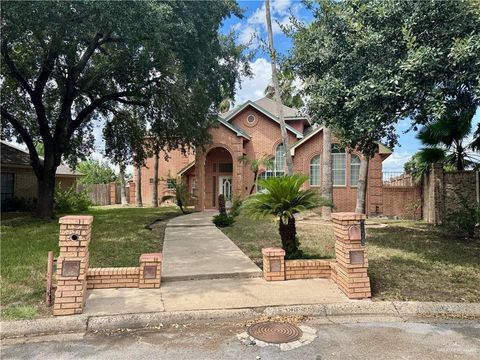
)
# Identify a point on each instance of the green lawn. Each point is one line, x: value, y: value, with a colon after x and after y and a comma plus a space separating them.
x: 120, y: 236
x: 407, y: 260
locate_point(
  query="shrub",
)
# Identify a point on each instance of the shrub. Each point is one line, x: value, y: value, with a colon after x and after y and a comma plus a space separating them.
x: 236, y: 204
x: 221, y: 205
x: 70, y: 200
x: 223, y: 220
x: 19, y: 204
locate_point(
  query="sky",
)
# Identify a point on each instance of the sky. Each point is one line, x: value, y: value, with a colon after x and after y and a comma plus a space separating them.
x: 253, y: 22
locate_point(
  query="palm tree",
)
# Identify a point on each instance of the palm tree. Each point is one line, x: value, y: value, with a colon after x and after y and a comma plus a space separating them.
x: 255, y: 165
x: 288, y: 93
x: 448, y: 134
x: 283, y: 199
x: 181, y: 197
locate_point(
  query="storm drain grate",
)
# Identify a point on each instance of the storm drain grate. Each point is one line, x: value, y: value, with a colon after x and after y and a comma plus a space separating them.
x: 275, y: 332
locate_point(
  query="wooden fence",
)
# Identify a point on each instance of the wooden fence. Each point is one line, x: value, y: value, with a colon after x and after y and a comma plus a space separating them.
x: 102, y: 194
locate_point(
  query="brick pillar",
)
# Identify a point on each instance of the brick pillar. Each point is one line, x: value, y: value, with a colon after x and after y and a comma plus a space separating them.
x: 350, y: 271
x: 131, y: 192
x: 72, y: 264
x: 273, y: 264
x: 150, y: 270
x: 113, y: 193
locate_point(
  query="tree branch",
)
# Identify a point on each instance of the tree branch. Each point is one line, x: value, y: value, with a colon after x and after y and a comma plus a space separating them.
x: 36, y: 164
x: 15, y: 72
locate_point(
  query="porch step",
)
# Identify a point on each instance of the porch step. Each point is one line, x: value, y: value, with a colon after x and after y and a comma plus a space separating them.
x: 206, y: 276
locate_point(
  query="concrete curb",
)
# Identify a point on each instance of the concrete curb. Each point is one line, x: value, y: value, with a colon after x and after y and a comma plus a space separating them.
x: 84, y: 323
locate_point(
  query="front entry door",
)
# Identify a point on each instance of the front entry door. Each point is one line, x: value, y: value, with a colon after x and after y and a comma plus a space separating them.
x: 225, y: 187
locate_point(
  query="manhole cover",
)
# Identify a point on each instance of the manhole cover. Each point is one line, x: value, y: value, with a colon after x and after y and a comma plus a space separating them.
x: 275, y: 332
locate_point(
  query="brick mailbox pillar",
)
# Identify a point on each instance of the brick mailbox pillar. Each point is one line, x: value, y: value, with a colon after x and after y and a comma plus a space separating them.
x: 150, y: 270
x: 351, y: 255
x: 273, y: 264
x: 72, y: 264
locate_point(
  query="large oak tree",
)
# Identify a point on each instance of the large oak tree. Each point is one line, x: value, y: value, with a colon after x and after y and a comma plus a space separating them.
x: 65, y: 64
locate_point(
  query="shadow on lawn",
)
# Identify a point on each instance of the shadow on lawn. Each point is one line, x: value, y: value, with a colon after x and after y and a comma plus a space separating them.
x: 431, y: 243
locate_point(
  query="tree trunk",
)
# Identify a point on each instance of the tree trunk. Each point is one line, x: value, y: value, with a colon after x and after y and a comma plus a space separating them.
x: 45, y: 198
x: 138, y: 188
x: 362, y: 185
x: 155, y: 179
x: 123, y: 192
x: 255, y: 183
x: 288, y: 234
x: 327, y: 182
x: 278, y: 95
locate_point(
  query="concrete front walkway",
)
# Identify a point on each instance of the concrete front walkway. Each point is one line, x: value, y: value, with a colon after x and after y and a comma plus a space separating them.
x: 195, y: 249
x: 215, y: 294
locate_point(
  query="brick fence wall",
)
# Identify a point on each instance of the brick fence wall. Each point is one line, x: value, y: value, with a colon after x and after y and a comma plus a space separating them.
x: 74, y: 276
x: 447, y: 192
x: 402, y: 201
x: 348, y: 270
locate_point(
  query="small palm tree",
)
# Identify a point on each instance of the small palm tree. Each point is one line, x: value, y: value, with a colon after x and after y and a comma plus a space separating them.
x: 283, y: 199
x: 181, y: 197
x: 255, y: 165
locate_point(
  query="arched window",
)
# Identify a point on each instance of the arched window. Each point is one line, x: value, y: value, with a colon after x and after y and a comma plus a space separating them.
x: 315, y: 171
x: 354, y: 170
x: 277, y: 169
x: 339, y: 173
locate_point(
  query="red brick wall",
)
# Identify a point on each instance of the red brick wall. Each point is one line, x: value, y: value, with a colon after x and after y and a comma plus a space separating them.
x: 112, y: 278
x: 307, y: 269
x: 402, y: 201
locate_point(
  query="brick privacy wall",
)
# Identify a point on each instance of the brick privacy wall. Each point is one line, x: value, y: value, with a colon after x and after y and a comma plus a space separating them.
x: 265, y: 136
x: 402, y: 201
x: 307, y: 269
x: 108, y: 278
x: 445, y: 192
x: 74, y: 238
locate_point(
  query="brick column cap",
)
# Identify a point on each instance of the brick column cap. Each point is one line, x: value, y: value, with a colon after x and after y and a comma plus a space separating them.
x: 273, y: 251
x: 76, y: 219
x: 348, y: 216
x: 151, y: 257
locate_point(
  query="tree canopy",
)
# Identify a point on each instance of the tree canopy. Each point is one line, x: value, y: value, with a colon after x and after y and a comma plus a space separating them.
x: 66, y: 64
x: 96, y: 172
x: 368, y: 64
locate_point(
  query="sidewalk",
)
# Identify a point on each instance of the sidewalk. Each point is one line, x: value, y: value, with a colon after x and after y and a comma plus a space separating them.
x: 195, y: 249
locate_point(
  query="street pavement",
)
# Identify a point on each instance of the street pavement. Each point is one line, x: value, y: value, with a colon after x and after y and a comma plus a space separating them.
x: 370, y: 339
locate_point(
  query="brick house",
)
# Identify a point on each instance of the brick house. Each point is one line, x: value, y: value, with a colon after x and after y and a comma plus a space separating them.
x: 253, y: 130
x: 18, y: 178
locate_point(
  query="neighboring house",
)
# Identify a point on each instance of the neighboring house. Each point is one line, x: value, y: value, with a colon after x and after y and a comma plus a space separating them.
x: 18, y: 178
x: 253, y: 129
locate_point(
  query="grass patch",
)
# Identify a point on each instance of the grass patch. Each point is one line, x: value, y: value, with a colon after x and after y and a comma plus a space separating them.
x: 407, y: 260
x: 120, y: 235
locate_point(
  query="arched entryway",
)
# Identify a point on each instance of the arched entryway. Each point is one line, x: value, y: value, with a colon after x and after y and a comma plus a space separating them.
x: 218, y: 176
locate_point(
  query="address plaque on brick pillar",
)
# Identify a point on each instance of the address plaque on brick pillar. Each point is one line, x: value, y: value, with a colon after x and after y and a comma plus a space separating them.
x: 357, y: 257
x: 71, y: 268
x: 275, y: 266
x: 149, y: 272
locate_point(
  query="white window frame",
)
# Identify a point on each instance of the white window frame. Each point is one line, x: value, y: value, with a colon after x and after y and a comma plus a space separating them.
x: 336, y: 152
x: 317, y: 168
x: 354, y: 156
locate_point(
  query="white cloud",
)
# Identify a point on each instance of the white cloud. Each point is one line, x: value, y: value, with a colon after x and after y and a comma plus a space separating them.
x: 396, y: 160
x: 253, y: 88
x: 256, y: 23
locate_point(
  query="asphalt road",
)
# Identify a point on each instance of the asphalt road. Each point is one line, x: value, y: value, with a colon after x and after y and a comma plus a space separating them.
x: 367, y: 340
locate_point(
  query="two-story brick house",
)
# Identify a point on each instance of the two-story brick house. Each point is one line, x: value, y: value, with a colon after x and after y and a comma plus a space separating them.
x: 253, y: 130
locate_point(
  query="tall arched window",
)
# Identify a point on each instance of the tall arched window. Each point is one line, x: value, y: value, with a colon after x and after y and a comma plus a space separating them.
x: 315, y: 171
x: 354, y: 170
x: 277, y: 169
x: 339, y: 173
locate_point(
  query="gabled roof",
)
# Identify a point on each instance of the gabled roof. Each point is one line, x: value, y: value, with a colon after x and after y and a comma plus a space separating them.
x: 186, y: 168
x: 311, y: 132
x: 292, y: 113
x: 15, y: 156
x: 235, y: 129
